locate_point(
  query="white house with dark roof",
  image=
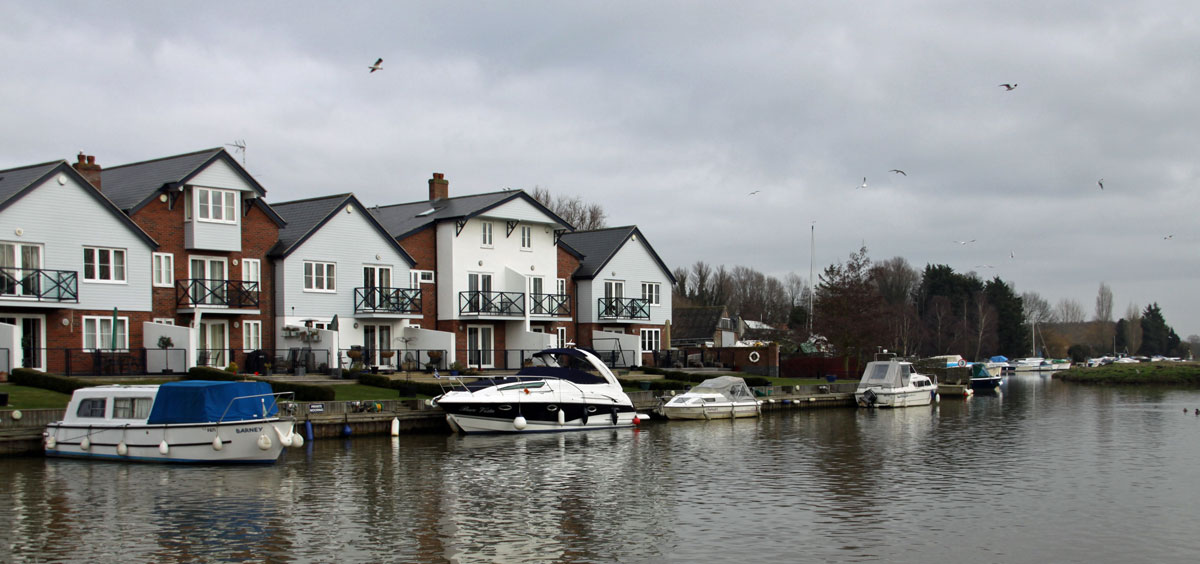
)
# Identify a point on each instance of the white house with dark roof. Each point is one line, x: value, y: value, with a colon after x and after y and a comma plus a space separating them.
x: 335, y: 261
x: 492, y: 262
x: 623, y: 293
x: 69, y: 259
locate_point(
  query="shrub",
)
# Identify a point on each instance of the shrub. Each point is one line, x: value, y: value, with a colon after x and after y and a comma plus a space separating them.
x: 232, y: 368
x: 38, y: 379
x: 303, y: 392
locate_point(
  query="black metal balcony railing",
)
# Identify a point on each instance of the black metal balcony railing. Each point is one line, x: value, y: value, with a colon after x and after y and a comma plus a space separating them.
x: 491, y: 303
x: 193, y: 292
x: 387, y: 300
x: 549, y: 304
x: 39, y: 284
x: 623, y: 308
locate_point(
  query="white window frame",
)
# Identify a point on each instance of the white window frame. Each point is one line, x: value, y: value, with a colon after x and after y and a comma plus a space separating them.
x: 251, y: 335
x: 252, y: 271
x: 526, y: 238
x: 163, y: 265
x: 112, y: 253
x: 225, y: 205
x: 485, y: 228
x: 418, y: 277
x: 560, y: 284
x: 654, y: 296
x: 562, y: 336
x: 164, y: 320
x: 652, y: 337
x: 93, y: 327
x: 328, y: 275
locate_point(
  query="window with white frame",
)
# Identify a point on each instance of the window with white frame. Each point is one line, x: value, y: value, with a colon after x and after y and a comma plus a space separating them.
x: 526, y: 238
x: 103, y: 265
x: 560, y: 285
x: 319, y: 276
x: 164, y: 270
x: 486, y: 229
x: 251, y: 335
x: 98, y: 333
x: 216, y: 205
x: 562, y: 336
x: 651, y: 339
x: 252, y: 271
x: 164, y: 321
x: 652, y: 292
x: 418, y: 277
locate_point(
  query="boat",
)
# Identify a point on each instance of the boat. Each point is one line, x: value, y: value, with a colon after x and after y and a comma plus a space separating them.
x: 197, y: 421
x: 1052, y: 364
x: 1030, y: 364
x: 723, y: 397
x: 894, y: 383
x: 560, y: 389
x: 982, y: 379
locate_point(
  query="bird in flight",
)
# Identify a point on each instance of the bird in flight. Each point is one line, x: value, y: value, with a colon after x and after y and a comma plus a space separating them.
x: 965, y: 242
x: 1171, y: 236
x: 377, y: 66
x: 984, y: 266
x: 898, y: 171
x: 864, y: 184
x: 1008, y: 87
x: 1101, y: 183
x: 752, y: 193
x: 1012, y: 255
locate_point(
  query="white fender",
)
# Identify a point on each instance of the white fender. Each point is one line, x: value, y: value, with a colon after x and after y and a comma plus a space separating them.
x: 85, y: 444
x: 519, y: 423
x: 297, y: 440
x: 264, y: 442
x: 285, y: 440
x: 163, y: 447
x: 395, y: 426
x: 122, y: 448
x: 562, y: 417
x: 50, y: 442
x: 217, y: 444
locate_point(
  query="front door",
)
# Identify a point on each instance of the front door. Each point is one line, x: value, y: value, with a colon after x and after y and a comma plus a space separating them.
x: 377, y: 345
x: 479, y: 346
x: 214, y: 344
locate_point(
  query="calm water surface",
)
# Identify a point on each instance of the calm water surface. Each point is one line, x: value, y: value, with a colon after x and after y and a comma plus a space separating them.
x: 1045, y: 472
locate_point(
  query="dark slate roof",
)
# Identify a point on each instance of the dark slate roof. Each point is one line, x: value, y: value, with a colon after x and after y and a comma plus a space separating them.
x: 16, y: 182
x: 402, y: 220
x: 133, y: 185
x: 695, y: 323
x: 305, y: 217
x: 601, y: 245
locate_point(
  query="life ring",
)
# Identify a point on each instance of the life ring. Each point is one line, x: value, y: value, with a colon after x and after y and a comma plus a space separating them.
x: 962, y: 362
x: 754, y: 356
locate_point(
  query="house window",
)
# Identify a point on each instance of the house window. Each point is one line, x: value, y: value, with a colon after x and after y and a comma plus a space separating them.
x: 651, y: 339
x: 251, y: 335
x: 18, y: 269
x: 164, y: 270
x: 216, y: 205
x: 560, y: 285
x: 418, y: 277
x: 562, y: 336
x: 103, y: 265
x: 164, y: 320
x: 651, y: 292
x: 486, y: 227
x: 252, y: 271
x: 319, y: 276
x: 98, y: 333
x: 526, y: 238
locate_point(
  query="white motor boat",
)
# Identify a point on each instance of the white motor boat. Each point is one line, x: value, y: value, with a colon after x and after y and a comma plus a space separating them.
x: 188, y: 421
x: 894, y: 383
x: 1030, y: 364
x: 723, y: 397
x: 564, y: 389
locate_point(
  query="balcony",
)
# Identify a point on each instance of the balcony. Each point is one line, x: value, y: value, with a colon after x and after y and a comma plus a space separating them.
x: 199, y: 292
x: 623, y: 308
x: 387, y: 300
x: 499, y: 304
x: 555, y: 305
x: 38, y: 284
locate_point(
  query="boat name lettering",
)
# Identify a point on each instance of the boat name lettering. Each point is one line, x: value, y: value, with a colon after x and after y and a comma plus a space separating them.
x: 477, y: 409
x: 249, y: 430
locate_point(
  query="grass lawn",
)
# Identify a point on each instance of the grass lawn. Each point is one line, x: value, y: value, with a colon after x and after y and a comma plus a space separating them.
x: 359, y: 392
x: 1178, y: 373
x: 24, y: 397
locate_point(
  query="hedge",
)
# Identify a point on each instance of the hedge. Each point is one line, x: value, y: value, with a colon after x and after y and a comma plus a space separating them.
x: 38, y: 379
x: 404, y: 388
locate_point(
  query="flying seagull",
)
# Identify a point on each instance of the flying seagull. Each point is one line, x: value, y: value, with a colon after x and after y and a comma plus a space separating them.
x: 1101, y: 183
x: 1008, y: 87
x: 1012, y: 254
x: 864, y: 184
x: 898, y: 171
x: 377, y: 66
x: 1172, y: 236
x: 965, y: 242
x: 752, y: 193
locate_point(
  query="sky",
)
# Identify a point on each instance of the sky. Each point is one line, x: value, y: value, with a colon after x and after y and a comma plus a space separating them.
x: 736, y: 133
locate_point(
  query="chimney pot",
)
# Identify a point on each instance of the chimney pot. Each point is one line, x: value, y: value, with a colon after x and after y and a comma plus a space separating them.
x: 88, y: 169
x: 91, y: 159
x: 439, y: 187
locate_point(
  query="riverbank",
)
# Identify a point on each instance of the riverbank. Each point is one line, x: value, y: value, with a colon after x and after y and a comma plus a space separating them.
x: 1142, y: 373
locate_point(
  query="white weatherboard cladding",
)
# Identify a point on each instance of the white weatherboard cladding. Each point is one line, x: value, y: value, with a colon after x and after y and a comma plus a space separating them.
x: 520, y: 209
x: 65, y: 219
x: 207, y: 236
x: 220, y: 174
x: 349, y: 241
x: 509, y: 265
x: 633, y: 265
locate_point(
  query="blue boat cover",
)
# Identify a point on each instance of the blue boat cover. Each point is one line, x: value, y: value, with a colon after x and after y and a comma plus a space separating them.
x: 999, y: 359
x: 204, y: 401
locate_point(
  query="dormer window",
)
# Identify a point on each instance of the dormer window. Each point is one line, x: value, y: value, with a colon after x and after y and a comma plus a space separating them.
x: 217, y: 206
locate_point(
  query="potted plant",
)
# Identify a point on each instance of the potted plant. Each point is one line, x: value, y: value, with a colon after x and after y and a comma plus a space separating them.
x: 455, y: 368
x: 164, y: 343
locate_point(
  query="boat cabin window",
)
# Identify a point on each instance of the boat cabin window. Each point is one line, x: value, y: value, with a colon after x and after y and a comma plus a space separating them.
x: 91, y: 407
x: 131, y: 408
x: 523, y: 385
x: 905, y: 370
x: 878, y: 372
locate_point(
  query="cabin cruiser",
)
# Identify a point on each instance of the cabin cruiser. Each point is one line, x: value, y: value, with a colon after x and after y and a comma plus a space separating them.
x: 723, y: 397
x: 189, y: 421
x: 1030, y: 364
x: 561, y: 389
x: 894, y: 383
x: 982, y: 378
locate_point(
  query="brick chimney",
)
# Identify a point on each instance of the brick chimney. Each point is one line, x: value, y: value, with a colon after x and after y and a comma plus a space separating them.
x: 88, y: 168
x: 439, y: 187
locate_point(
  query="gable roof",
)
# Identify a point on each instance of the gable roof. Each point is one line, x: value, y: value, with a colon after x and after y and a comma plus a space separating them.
x: 306, y: 217
x: 695, y: 323
x: 15, y: 183
x: 132, y: 186
x: 601, y: 245
x: 402, y: 220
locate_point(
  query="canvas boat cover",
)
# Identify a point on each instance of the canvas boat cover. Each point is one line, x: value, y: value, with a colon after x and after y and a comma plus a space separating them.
x: 732, y: 387
x: 886, y: 374
x: 204, y: 401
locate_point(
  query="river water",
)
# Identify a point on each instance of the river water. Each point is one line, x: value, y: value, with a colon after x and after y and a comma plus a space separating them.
x: 1044, y: 472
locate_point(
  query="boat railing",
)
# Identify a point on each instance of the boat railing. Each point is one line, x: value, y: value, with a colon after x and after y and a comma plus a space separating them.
x: 265, y: 409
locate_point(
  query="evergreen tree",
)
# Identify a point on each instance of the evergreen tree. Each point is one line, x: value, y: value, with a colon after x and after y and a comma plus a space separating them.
x: 1121, y: 345
x: 1156, y: 334
x: 1011, y: 331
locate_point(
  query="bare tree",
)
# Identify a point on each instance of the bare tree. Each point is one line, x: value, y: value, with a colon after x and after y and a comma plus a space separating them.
x: 1104, y: 304
x: 895, y: 280
x: 572, y: 209
x: 796, y: 287
x: 1069, y: 311
x: 1133, y: 327
x: 680, y: 290
x: 1037, y: 309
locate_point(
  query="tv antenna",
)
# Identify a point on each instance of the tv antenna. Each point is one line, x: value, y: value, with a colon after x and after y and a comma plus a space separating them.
x: 239, y: 146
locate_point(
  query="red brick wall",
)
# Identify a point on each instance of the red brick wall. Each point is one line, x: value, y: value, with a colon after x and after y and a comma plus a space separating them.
x: 567, y: 265
x: 422, y: 247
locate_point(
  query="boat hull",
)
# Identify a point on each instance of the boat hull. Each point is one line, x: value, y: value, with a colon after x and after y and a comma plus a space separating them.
x: 727, y: 410
x: 501, y: 417
x: 986, y: 383
x: 909, y: 398
x: 241, y: 442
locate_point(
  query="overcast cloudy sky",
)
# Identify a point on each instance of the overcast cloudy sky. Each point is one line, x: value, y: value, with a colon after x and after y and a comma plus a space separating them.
x: 670, y: 113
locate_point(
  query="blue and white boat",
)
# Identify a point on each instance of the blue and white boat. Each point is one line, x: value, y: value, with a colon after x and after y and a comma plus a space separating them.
x: 195, y: 421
